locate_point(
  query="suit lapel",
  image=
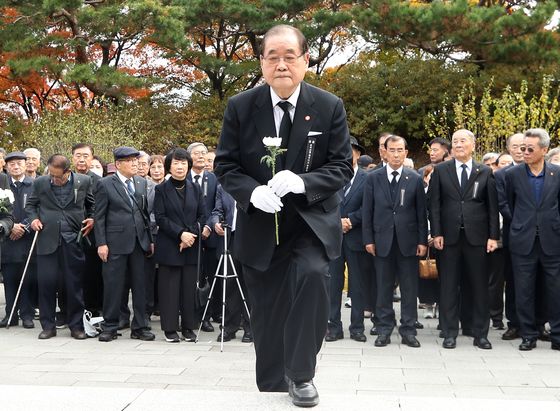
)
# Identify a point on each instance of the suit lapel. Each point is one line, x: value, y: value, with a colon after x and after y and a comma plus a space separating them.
x: 355, y: 186
x: 453, y: 176
x: 263, y: 116
x: 526, y: 186
x: 121, y: 189
x: 50, y: 193
x: 548, y: 184
x: 403, y: 181
x: 76, y: 183
x: 384, y: 183
x: 474, y: 173
x: 303, y: 120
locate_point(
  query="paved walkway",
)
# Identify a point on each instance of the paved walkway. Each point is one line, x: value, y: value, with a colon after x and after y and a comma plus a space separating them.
x: 63, y: 373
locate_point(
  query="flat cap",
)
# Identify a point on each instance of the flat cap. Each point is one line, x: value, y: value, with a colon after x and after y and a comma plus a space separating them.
x: 15, y: 155
x: 111, y: 169
x: 124, y: 152
x: 365, y: 161
x: 355, y: 143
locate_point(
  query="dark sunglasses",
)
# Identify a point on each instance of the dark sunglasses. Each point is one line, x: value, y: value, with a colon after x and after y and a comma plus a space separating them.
x: 529, y: 149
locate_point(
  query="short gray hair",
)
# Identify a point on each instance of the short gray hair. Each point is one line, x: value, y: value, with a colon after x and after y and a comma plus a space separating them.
x: 32, y: 150
x: 192, y: 146
x: 508, y: 140
x: 467, y: 132
x: 541, y: 133
x: 489, y: 156
x: 552, y: 153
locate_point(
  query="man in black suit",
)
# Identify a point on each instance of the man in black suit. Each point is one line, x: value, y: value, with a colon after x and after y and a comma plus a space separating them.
x: 465, y: 226
x: 17, y: 245
x: 207, y: 183
x: 533, y: 193
x: 360, y: 263
x: 286, y: 279
x: 123, y: 237
x: 61, y: 208
x: 395, y: 231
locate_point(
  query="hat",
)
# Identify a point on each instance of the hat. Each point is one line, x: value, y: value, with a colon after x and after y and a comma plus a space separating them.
x: 365, y: 161
x: 15, y: 155
x: 124, y: 152
x: 111, y: 169
x: 355, y: 143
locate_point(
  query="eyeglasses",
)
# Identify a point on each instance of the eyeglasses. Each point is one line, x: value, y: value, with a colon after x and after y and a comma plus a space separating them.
x: 288, y: 59
x: 528, y: 149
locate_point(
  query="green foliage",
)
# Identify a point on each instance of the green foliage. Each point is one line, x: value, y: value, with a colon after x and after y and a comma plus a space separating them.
x: 494, y: 118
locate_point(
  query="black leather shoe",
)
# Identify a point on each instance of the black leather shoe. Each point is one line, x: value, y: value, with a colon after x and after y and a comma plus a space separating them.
x: 449, y: 342
x: 373, y: 331
x: 247, y: 337
x: 303, y: 394
x: 410, y: 340
x: 510, y: 334
x: 382, y: 341
x: 482, y: 343
x: 527, y: 344
x: 123, y: 325
x: 498, y: 324
x: 467, y: 332
x: 228, y: 336
x: 332, y: 336
x: 107, y: 336
x: 555, y: 346
x: 544, y: 334
x: 78, y: 334
x: 418, y: 325
x: 4, y: 322
x: 207, y: 327
x: 46, y: 334
x: 28, y: 324
x: 142, y: 334
x: 360, y: 337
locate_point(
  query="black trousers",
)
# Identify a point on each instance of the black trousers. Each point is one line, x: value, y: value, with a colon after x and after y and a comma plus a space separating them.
x: 386, y: 269
x: 152, y: 298
x: 463, y: 261
x: 235, y: 312
x: 359, y: 267
x: 496, y: 284
x: 209, y: 265
x: 12, y: 273
x: 511, y: 312
x: 68, y: 262
x: 527, y: 269
x: 290, y: 309
x: 177, y: 288
x: 114, y: 278
x: 93, y: 280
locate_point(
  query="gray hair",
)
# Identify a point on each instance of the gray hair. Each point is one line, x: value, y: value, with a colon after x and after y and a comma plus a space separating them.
x: 552, y: 153
x: 489, y: 156
x: 32, y: 150
x: 508, y: 140
x: 467, y: 132
x: 541, y: 133
x: 192, y: 146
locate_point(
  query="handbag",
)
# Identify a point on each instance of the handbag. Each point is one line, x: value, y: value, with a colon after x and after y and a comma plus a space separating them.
x: 202, y: 285
x: 428, y: 268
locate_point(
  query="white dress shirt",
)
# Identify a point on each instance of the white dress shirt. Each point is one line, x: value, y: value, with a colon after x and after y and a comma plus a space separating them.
x: 459, y: 169
x: 277, y: 110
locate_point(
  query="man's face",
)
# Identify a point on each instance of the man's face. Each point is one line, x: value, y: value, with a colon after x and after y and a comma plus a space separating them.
x: 210, y: 161
x: 396, y: 153
x: 59, y: 177
x: 128, y: 167
x: 437, y: 153
x: 491, y: 162
x: 81, y: 159
x: 532, y: 152
x: 514, y: 148
x: 198, y: 155
x: 355, y: 156
x: 382, y: 151
x: 283, y: 64
x: 555, y: 159
x: 16, y: 168
x: 143, y: 165
x: 32, y: 162
x: 505, y: 160
x: 463, y: 146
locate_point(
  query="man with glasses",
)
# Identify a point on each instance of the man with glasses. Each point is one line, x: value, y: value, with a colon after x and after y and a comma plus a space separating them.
x: 61, y: 208
x: 124, y: 239
x: 533, y: 195
x: 286, y: 276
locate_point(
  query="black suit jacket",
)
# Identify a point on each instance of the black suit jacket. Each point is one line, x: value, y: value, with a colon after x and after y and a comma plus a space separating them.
x: 503, y: 206
x: 208, y: 189
x: 223, y: 212
x: 351, y: 207
x: 405, y: 216
x: 42, y: 204
x: 173, y: 217
x: 478, y: 204
x: 17, y: 251
x: 322, y: 159
x: 117, y: 222
x: 527, y: 215
x: 6, y: 219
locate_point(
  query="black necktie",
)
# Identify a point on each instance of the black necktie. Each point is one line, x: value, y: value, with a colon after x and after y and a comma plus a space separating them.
x: 197, y: 179
x: 17, y: 184
x: 130, y: 189
x: 464, y: 177
x: 393, y: 185
x: 286, y: 124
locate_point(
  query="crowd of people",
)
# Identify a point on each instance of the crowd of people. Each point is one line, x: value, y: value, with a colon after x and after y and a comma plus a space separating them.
x: 491, y: 227
x: 146, y: 224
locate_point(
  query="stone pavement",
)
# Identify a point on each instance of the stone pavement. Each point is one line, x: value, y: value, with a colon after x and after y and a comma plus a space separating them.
x: 65, y: 374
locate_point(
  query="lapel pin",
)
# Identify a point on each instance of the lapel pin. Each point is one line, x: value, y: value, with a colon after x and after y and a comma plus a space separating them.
x: 477, y: 170
x: 551, y: 173
x: 406, y: 178
x: 307, y: 118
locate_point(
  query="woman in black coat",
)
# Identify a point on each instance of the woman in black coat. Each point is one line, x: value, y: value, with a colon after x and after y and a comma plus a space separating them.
x: 179, y: 209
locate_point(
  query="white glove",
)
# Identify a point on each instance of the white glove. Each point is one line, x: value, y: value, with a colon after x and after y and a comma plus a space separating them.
x: 264, y: 199
x: 286, y: 182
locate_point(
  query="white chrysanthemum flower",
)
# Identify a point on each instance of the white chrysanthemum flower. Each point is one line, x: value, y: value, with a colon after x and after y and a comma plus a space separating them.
x: 272, y: 141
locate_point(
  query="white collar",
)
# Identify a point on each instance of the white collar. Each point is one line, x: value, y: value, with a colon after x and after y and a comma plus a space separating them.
x: 123, y: 178
x: 458, y: 164
x: 292, y: 99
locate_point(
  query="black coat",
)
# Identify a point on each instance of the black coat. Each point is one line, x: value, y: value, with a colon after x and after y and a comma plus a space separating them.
x: 173, y: 217
x: 351, y: 207
x: 18, y: 250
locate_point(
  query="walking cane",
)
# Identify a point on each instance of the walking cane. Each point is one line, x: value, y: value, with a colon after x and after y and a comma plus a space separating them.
x: 22, y: 279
